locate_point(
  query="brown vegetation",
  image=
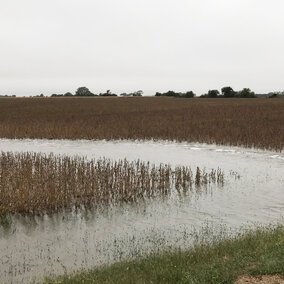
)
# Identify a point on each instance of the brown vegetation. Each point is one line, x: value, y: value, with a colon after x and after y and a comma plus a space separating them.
x: 265, y: 279
x: 247, y: 122
x: 39, y: 183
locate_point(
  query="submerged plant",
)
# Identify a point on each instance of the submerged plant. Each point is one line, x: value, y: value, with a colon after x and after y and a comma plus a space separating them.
x: 40, y: 183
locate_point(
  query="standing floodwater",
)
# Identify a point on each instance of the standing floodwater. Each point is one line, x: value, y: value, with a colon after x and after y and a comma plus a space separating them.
x: 253, y: 194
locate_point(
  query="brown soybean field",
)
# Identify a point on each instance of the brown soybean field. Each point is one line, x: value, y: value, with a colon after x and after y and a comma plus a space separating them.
x: 255, y: 123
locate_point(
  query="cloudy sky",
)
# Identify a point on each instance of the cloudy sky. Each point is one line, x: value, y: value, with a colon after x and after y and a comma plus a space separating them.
x: 55, y: 46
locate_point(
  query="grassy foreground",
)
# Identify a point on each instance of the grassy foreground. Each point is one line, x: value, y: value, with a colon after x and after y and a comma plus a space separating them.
x: 257, y: 253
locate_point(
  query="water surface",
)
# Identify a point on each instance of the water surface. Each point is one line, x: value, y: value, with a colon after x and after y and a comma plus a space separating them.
x: 32, y: 248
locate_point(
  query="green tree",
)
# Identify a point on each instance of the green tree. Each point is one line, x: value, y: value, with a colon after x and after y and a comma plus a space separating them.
x: 138, y: 93
x: 189, y: 94
x: 273, y: 95
x: 68, y: 94
x: 213, y: 93
x: 246, y: 93
x: 107, y: 94
x: 83, y: 91
x: 228, y: 92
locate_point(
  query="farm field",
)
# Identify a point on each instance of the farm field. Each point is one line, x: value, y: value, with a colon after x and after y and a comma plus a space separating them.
x: 255, y: 123
x: 142, y: 142
x: 90, y: 182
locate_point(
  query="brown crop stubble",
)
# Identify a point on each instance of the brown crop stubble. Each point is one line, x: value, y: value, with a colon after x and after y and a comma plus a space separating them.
x: 245, y: 122
x: 39, y: 183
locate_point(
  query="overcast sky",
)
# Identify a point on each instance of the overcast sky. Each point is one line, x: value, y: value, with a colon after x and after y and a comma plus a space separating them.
x: 55, y: 46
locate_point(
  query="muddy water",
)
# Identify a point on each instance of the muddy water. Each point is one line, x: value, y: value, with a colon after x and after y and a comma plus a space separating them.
x: 31, y: 248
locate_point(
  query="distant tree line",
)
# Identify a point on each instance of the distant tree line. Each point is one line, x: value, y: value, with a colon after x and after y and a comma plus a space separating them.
x: 228, y: 92
x: 275, y: 94
x: 188, y: 94
x: 85, y: 92
x: 134, y: 94
x: 7, y: 96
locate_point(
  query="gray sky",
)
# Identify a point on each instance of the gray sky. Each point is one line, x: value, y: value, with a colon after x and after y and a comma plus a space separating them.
x: 55, y: 46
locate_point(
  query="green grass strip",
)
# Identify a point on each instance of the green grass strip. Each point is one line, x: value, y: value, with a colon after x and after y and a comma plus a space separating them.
x: 256, y: 253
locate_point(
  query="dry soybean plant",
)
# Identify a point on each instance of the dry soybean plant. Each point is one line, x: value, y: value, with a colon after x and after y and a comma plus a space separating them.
x: 39, y: 183
x: 241, y: 122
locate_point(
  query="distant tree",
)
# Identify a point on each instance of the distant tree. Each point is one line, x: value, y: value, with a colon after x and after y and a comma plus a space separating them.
x: 68, y: 94
x: 213, y: 94
x: 276, y: 94
x: 170, y: 94
x: 273, y: 95
x: 134, y: 94
x: 189, y: 94
x: 107, y: 94
x: 228, y: 92
x: 83, y: 92
x: 138, y: 93
x: 246, y: 93
x: 204, y: 96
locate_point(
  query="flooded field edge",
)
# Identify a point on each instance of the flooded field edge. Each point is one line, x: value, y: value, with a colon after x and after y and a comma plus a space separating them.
x: 260, y: 252
x: 35, y: 247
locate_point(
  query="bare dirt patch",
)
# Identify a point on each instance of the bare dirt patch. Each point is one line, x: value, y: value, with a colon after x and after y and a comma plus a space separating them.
x: 266, y: 279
